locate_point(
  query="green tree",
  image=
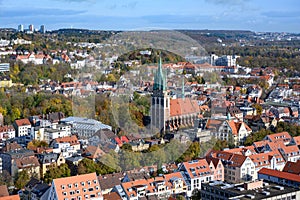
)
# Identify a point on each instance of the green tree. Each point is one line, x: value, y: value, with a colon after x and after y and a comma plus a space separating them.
x: 86, y: 166
x: 22, y: 179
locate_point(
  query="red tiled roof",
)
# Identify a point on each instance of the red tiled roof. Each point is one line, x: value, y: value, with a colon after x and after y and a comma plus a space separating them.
x: 197, y: 168
x: 4, y: 129
x: 124, y: 139
x: 93, y: 152
x: 292, y: 167
x: 22, y: 122
x: 283, y: 136
x: 80, y: 183
x: 12, y: 197
x: 27, y: 162
x: 118, y: 141
x: 280, y: 174
x: 184, y: 106
x: 297, y: 140
x: 73, y: 140
x: 112, y: 196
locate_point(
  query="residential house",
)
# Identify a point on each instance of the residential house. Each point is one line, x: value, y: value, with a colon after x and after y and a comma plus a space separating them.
x: 157, y: 188
x: 217, y: 168
x: 9, y: 157
x: 68, y: 145
x: 292, y: 167
x: 196, y: 172
x: 48, y: 160
x: 35, y: 189
x: 285, y: 137
x: 109, y: 181
x: 76, y: 187
x: 237, y: 168
x: 26, y: 163
x: 271, y: 160
x: 234, y: 132
x: 22, y: 127
x: 92, y: 152
x: 235, y: 112
x: 7, y: 132
x: 290, y: 153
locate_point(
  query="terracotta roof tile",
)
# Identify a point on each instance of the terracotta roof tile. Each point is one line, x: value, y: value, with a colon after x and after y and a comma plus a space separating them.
x: 82, y: 183
x: 292, y: 167
x: 73, y: 140
x: 280, y: 174
x: 12, y: 197
x: 22, y: 122
x: 183, y: 107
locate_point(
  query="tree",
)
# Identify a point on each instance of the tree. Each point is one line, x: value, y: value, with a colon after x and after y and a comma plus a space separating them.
x: 57, y: 172
x: 22, y: 179
x: 86, y: 166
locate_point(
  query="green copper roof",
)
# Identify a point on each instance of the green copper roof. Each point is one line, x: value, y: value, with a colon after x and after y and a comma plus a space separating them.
x: 160, y: 79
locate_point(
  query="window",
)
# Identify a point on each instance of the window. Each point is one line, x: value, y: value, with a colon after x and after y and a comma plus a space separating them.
x: 78, y: 191
x: 82, y: 183
x: 64, y: 193
x: 72, y: 192
x: 63, y: 187
x: 76, y: 185
x: 70, y: 185
x: 91, y: 189
x: 89, y: 182
x: 95, y: 181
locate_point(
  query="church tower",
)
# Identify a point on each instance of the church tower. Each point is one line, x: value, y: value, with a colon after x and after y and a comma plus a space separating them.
x: 160, y: 101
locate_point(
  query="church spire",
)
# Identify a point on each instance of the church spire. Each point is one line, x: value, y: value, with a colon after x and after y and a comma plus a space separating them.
x: 159, y: 79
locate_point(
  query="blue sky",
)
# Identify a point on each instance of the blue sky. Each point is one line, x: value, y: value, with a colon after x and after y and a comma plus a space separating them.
x: 255, y: 15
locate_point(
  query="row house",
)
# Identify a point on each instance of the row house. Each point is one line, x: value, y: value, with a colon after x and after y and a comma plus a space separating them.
x: 285, y: 137
x: 7, y: 132
x: 290, y: 153
x: 160, y: 187
x: 271, y: 160
x: 76, y: 187
x: 197, y: 172
x: 237, y: 168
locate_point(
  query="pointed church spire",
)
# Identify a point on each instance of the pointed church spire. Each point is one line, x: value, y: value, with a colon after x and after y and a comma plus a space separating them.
x: 160, y: 79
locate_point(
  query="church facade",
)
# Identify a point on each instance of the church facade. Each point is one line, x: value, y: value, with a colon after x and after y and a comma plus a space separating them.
x: 169, y: 114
